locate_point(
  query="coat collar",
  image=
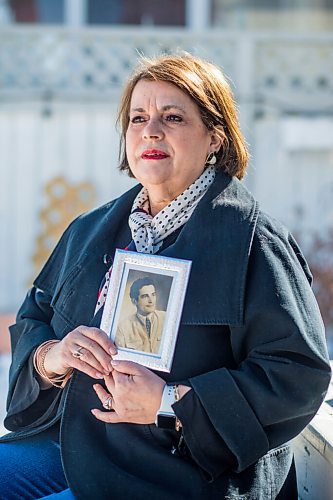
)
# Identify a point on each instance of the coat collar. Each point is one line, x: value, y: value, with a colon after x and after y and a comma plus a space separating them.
x: 217, y: 239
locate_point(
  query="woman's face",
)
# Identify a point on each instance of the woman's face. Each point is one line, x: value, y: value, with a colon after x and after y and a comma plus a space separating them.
x: 166, y: 141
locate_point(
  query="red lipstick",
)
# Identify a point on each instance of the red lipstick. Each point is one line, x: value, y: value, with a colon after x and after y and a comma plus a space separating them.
x: 153, y: 154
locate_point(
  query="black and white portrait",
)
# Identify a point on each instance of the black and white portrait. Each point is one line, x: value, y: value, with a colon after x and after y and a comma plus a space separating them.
x: 143, y: 311
x: 143, y: 307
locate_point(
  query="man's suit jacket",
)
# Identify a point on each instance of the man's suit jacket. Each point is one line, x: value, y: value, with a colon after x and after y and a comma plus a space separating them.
x: 132, y: 333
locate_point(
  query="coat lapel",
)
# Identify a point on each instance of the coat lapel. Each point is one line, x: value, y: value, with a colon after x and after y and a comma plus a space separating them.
x: 217, y: 239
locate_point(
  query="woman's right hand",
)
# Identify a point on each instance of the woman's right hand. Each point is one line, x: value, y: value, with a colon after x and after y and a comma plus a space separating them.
x: 95, y: 353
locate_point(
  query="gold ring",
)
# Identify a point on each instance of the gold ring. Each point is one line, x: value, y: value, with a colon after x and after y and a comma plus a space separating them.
x: 108, y: 403
x: 78, y: 353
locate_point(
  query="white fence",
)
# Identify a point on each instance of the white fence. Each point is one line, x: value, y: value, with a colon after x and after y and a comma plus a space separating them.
x: 291, y: 72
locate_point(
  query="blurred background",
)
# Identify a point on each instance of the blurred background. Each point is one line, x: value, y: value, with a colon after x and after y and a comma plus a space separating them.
x: 62, y: 67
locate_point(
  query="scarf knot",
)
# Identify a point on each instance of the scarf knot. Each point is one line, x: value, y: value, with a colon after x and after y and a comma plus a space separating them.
x: 149, y: 232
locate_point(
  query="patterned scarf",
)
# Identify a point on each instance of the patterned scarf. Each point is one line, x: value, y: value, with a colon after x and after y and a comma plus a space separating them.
x: 149, y: 232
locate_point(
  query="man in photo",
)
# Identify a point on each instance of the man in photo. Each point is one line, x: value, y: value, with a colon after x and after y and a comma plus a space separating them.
x: 142, y: 330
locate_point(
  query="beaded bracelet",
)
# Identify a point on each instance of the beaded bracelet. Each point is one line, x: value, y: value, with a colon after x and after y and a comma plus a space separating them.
x: 39, y: 359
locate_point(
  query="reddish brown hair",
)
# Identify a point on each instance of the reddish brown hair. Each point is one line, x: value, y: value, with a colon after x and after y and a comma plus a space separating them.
x: 208, y: 87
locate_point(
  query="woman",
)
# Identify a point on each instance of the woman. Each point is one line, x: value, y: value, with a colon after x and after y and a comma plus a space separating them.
x: 250, y: 367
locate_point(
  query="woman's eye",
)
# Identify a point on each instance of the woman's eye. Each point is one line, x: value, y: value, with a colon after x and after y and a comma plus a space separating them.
x: 137, y: 119
x: 174, y: 118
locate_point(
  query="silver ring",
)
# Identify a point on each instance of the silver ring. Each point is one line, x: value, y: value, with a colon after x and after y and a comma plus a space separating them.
x: 108, y: 403
x: 78, y: 353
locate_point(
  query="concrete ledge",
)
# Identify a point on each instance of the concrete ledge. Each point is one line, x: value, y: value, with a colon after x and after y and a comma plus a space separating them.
x: 314, y: 454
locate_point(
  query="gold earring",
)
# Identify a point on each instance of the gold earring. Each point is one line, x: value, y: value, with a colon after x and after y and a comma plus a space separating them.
x: 211, y: 159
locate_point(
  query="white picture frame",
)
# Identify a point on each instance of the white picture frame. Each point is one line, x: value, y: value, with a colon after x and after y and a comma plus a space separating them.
x: 145, y: 286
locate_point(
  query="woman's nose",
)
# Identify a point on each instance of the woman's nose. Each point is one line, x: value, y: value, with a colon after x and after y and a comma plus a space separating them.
x: 153, y: 130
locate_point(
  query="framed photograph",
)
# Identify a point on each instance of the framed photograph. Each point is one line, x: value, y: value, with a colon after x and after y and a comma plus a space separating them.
x: 143, y: 307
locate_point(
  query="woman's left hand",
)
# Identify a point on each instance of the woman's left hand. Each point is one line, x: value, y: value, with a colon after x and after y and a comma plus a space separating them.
x: 136, y: 394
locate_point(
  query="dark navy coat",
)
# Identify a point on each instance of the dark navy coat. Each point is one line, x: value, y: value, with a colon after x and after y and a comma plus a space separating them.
x: 251, y: 345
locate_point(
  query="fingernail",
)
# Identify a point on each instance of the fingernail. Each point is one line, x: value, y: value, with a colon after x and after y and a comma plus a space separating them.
x: 114, y: 362
x: 93, y: 411
x: 113, y: 350
x: 99, y: 375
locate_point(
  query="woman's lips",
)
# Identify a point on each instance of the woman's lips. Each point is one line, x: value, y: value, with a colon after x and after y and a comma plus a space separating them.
x: 154, y: 154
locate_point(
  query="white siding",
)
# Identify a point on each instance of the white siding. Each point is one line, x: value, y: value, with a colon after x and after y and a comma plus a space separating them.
x: 77, y: 142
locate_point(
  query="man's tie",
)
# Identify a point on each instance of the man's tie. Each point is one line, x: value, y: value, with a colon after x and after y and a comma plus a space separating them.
x: 148, y: 326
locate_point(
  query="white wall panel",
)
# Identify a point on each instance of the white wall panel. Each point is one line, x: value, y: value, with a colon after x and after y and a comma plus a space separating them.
x: 75, y: 141
x: 294, y: 172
